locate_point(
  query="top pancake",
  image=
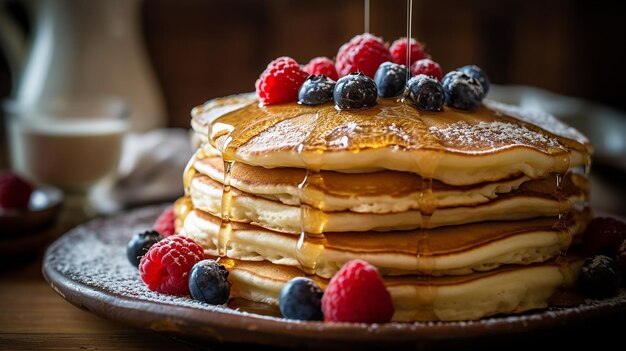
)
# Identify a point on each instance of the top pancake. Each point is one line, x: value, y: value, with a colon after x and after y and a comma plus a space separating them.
x: 459, y: 148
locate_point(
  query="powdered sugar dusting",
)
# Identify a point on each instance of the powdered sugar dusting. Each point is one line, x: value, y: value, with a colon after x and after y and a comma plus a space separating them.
x: 538, y: 118
x: 491, y: 135
x: 94, y: 255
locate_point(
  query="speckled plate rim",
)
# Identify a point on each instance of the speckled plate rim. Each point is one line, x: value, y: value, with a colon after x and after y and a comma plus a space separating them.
x: 226, y: 325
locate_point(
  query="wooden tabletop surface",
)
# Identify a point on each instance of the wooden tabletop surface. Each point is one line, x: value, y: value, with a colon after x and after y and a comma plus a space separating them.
x: 34, y: 317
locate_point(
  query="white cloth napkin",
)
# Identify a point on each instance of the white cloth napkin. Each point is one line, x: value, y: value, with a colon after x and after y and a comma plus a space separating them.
x: 150, y: 171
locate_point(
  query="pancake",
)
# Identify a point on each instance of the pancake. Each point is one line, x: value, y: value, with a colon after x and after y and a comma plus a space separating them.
x: 511, y: 289
x: 377, y: 192
x: 456, y: 147
x: 465, y: 214
x: 448, y: 251
x: 532, y: 200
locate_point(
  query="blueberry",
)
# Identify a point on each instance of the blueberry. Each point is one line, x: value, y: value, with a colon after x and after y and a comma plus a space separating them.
x: 462, y: 91
x: 477, y: 73
x: 599, y: 277
x: 390, y: 79
x: 139, y: 245
x: 316, y: 90
x: 426, y: 93
x: 301, y: 298
x: 208, y: 282
x: 355, y: 90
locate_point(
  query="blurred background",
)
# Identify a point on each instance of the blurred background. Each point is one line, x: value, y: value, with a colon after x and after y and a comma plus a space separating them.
x: 563, y: 56
x: 95, y: 99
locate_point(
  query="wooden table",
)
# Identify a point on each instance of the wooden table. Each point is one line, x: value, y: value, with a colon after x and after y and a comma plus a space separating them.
x: 34, y: 317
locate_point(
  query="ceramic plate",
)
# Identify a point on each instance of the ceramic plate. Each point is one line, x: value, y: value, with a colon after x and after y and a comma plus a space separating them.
x: 88, y: 267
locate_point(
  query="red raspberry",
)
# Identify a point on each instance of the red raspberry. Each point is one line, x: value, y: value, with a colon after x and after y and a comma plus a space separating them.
x: 364, y: 53
x: 357, y: 294
x: 14, y: 191
x: 427, y: 67
x: 398, y: 51
x: 603, y: 236
x: 165, y: 224
x: 165, y: 267
x: 280, y: 81
x: 322, y: 65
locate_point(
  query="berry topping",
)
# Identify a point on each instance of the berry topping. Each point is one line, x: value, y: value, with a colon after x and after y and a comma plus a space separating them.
x: 139, y: 244
x: 208, y: 282
x: 398, y: 50
x: 323, y: 66
x: 462, y: 91
x: 280, y: 81
x: 599, y: 277
x: 363, y: 53
x: 301, y: 299
x: 165, y: 268
x: 14, y: 191
x: 390, y: 79
x: 478, y: 74
x: 427, y: 67
x: 603, y: 236
x: 357, y: 294
x: 316, y: 90
x: 165, y: 224
x: 426, y: 93
x: 355, y: 90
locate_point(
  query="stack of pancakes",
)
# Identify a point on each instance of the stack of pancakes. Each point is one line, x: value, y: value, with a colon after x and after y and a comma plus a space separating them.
x: 465, y: 214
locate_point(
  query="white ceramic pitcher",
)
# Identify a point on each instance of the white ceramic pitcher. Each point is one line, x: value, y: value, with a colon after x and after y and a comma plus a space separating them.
x: 84, y: 48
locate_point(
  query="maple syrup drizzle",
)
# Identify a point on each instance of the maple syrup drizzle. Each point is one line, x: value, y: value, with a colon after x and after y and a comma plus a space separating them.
x: 312, y: 240
x: 190, y: 170
x: 427, y: 204
x: 391, y: 123
x: 182, y: 207
x: 409, y: 18
x: 225, y: 231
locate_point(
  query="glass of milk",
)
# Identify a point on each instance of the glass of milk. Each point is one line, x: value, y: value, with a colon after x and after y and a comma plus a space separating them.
x: 72, y: 144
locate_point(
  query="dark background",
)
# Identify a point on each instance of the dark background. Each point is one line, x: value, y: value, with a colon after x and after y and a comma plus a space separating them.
x: 575, y: 48
x: 202, y: 49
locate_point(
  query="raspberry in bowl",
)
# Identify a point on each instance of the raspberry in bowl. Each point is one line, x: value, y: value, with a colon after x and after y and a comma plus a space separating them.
x: 26, y: 207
